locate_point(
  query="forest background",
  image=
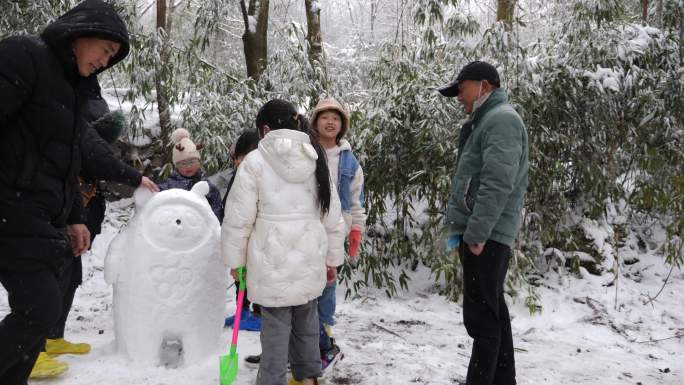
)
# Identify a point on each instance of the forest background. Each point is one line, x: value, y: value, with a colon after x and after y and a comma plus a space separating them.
x: 599, y: 84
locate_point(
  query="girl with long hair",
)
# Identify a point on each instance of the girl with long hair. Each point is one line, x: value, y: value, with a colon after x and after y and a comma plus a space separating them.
x: 283, y: 223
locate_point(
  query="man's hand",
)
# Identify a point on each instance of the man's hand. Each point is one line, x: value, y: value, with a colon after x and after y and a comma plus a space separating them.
x: 79, y: 237
x: 331, y: 274
x: 148, y: 184
x: 477, y: 248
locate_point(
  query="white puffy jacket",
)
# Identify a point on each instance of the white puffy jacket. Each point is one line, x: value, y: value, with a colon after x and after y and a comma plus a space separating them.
x: 274, y: 227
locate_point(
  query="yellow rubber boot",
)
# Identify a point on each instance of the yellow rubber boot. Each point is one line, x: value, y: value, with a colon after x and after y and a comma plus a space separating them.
x: 62, y: 346
x: 48, y: 367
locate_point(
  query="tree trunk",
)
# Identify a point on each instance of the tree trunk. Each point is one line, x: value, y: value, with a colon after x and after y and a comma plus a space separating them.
x: 255, y: 36
x: 681, y: 37
x: 659, y: 14
x: 399, y: 33
x: 161, y: 74
x: 504, y: 12
x: 373, y: 17
x: 351, y: 18
x: 313, y: 35
x: 161, y: 14
x: 644, y: 10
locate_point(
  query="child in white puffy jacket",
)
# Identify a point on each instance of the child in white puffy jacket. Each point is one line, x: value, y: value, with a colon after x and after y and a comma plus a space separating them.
x: 283, y: 223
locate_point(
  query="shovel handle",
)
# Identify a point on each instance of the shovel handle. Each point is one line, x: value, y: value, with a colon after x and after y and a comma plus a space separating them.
x: 238, y: 311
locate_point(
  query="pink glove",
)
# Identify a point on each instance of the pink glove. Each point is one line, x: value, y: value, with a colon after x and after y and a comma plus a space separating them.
x: 354, y: 243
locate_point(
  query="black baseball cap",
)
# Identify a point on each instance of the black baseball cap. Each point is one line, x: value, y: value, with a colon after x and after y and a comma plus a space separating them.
x: 476, y: 70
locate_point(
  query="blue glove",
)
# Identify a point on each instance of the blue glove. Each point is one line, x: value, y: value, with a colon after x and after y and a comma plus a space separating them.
x: 453, y: 242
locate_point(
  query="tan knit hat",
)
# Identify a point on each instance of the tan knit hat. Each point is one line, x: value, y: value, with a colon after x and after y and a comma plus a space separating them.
x: 331, y: 105
x: 183, y: 147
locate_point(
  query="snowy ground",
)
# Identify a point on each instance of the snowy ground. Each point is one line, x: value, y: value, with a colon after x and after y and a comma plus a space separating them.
x: 418, y: 337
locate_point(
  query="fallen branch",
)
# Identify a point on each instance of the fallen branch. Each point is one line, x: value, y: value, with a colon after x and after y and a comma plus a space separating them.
x: 678, y: 335
x: 384, y: 329
x: 600, y: 314
x: 651, y: 299
x: 388, y: 331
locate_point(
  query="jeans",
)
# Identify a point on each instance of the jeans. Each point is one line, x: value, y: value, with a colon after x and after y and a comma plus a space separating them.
x: 326, y: 315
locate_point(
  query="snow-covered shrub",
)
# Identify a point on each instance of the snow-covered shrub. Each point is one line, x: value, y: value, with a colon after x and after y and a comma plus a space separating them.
x: 603, y: 103
x: 30, y: 16
x: 604, y: 108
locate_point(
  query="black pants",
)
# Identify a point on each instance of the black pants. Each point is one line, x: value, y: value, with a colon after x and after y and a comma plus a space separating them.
x: 485, y: 315
x: 35, y: 301
x: 69, y: 279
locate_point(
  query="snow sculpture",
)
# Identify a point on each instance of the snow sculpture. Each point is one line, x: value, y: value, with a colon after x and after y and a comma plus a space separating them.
x: 168, y: 276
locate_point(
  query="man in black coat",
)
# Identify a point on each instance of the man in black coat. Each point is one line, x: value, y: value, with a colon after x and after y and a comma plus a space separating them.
x: 99, y: 163
x: 41, y: 120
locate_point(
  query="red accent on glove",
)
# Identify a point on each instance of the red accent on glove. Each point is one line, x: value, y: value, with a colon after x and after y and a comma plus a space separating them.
x: 354, y: 243
x: 331, y: 274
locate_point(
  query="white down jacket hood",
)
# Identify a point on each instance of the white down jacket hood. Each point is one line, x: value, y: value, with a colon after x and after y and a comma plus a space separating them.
x: 273, y: 224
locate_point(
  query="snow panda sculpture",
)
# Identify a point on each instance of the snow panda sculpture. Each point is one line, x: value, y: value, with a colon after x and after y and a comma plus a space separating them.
x: 169, y: 278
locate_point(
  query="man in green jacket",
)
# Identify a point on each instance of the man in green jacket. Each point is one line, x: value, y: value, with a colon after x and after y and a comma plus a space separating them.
x: 484, y: 215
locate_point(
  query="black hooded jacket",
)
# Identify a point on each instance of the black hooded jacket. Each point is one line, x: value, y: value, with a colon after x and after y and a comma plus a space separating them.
x: 42, y: 124
x: 99, y: 162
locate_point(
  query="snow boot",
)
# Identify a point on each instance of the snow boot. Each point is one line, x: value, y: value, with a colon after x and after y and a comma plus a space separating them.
x: 62, y: 346
x: 330, y: 358
x: 48, y: 367
x: 253, y: 361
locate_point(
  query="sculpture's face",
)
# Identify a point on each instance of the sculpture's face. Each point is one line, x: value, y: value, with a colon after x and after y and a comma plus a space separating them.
x: 176, y: 226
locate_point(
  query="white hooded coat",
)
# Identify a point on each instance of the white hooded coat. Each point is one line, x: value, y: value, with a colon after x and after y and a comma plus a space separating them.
x: 273, y: 224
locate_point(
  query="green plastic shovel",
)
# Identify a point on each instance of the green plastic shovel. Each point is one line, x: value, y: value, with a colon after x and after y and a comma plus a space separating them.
x: 229, y: 363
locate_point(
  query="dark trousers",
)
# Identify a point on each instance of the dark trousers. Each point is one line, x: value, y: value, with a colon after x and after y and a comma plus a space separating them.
x: 70, y: 278
x: 485, y: 315
x: 36, y: 303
